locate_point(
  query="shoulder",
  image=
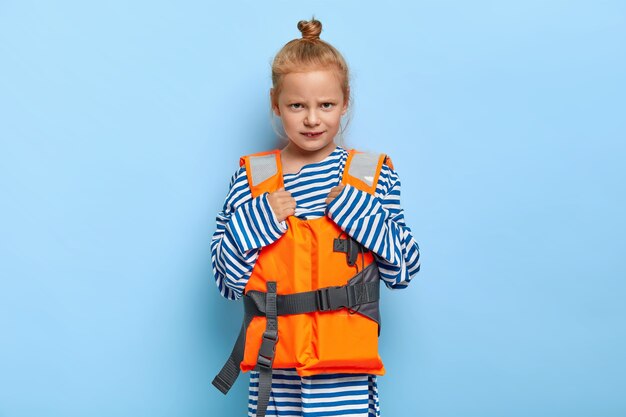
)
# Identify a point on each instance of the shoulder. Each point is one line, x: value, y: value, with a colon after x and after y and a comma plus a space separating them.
x: 239, y: 191
x: 257, y: 158
x: 271, y: 155
x: 388, y: 178
x: 239, y: 176
x: 374, y: 156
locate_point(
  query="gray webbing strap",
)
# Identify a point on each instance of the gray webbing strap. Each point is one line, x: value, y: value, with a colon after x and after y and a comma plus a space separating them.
x: 324, y: 299
x: 229, y: 373
x: 256, y: 303
x: 227, y: 376
x: 267, y: 350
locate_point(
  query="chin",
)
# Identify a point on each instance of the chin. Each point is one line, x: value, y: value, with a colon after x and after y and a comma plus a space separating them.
x: 313, y: 144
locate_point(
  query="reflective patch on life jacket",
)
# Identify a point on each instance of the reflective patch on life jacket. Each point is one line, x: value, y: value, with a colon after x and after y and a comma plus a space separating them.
x: 363, y: 166
x: 262, y: 168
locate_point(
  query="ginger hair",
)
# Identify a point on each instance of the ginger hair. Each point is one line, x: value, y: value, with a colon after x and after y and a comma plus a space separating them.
x: 308, y: 53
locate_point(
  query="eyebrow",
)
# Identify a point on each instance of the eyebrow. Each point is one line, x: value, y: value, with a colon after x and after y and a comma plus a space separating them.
x: 324, y: 99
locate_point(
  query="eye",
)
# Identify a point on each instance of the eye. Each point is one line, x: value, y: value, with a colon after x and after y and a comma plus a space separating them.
x: 294, y: 106
x: 328, y: 106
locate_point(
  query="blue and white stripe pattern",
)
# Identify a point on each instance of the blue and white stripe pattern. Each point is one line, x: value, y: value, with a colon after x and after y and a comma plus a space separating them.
x: 246, y: 224
x: 319, y: 395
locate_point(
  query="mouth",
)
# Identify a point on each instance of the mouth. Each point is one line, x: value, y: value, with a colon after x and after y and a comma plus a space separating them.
x: 312, y: 134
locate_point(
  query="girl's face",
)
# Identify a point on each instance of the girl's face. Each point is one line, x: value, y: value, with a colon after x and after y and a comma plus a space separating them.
x: 310, y: 105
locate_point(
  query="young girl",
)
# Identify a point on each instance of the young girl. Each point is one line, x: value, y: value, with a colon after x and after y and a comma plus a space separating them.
x: 305, y: 236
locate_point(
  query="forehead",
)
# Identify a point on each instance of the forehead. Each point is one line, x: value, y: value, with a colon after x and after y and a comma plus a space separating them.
x: 311, y: 84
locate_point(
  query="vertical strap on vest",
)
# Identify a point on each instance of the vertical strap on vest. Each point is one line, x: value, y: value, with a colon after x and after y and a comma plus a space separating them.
x: 362, y: 170
x: 267, y: 350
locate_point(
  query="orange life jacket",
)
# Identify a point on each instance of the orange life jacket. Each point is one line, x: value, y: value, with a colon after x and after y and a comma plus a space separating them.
x: 310, y: 263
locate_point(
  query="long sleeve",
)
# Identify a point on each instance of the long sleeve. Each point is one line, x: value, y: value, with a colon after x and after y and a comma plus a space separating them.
x: 244, y: 226
x: 377, y: 222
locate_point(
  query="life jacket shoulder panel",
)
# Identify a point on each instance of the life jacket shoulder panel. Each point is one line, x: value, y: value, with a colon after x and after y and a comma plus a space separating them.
x: 363, y: 169
x: 264, y: 170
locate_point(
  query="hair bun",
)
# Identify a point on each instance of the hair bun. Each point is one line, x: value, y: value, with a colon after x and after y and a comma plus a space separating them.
x: 310, y: 29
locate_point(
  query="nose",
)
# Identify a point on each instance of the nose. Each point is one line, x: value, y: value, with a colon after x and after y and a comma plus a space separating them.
x: 311, y: 118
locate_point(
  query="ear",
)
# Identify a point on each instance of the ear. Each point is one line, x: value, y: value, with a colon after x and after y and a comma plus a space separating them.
x: 275, y: 109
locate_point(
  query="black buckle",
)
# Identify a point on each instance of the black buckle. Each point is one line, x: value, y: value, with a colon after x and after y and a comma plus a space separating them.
x: 332, y: 298
x: 267, y: 349
x: 264, y: 362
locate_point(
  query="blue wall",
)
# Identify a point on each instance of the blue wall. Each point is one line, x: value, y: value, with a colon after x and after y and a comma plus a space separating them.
x: 121, y: 124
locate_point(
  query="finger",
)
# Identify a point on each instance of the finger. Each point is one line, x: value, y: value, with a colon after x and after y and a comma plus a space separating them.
x: 286, y: 199
x: 280, y: 192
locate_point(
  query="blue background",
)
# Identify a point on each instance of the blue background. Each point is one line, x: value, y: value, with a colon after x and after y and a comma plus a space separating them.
x: 122, y: 122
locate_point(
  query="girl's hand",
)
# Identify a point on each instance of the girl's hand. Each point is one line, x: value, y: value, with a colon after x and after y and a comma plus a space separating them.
x: 282, y: 203
x: 334, y: 192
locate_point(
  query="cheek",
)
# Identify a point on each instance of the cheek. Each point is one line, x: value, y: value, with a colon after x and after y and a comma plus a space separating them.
x: 335, y: 119
x: 289, y: 120
x: 296, y: 117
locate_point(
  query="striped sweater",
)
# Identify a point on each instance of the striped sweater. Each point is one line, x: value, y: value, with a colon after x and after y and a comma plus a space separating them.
x: 246, y: 224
